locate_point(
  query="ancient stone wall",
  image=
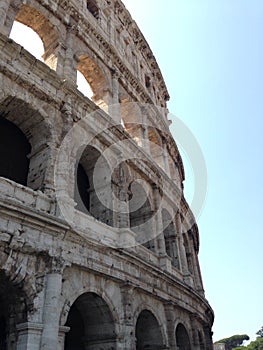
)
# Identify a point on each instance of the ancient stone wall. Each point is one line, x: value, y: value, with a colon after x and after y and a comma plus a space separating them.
x: 98, y: 247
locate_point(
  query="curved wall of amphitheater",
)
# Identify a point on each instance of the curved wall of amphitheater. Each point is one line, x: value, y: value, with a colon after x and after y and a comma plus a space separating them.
x: 98, y: 247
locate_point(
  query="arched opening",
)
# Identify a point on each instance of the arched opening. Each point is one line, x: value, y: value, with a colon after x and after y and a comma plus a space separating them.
x: 131, y: 118
x: 22, y: 126
x: 182, y: 338
x: 84, y: 86
x: 91, y: 324
x: 201, y: 341
x: 14, y: 151
x: 147, y: 81
x: 148, y: 332
x: 25, y: 36
x: 93, y: 8
x: 141, y: 214
x: 170, y: 237
x: 92, y: 191
x: 30, y: 17
x: 96, y: 81
x: 188, y: 253
x: 12, y: 312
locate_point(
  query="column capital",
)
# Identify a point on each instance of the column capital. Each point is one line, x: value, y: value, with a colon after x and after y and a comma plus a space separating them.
x: 64, y: 329
x: 56, y: 265
x: 29, y: 335
x: 37, y: 327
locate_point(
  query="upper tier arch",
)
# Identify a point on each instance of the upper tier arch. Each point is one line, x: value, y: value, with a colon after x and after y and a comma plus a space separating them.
x: 109, y: 32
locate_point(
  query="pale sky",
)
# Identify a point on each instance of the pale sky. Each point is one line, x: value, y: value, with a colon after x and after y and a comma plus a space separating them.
x: 211, y: 56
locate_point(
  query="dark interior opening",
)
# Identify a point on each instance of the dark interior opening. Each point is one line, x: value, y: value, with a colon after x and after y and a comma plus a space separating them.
x: 148, y: 333
x: 74, y: 339
x: 83, y: 187
x: 12, y: 311
x: 92, y: 192
x: 91, y: 324
x: 3, y: 335
x: 14, y: 149
x: 182, y: 338
x: 93, y: 8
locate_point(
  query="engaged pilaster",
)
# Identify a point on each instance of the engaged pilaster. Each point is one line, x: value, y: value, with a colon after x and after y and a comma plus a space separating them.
x: 29, y: 336
x: 114, y: 108
x: 182, y: 252
x: 128, y: 333
x: 53, y: 285
x: 4, y: 5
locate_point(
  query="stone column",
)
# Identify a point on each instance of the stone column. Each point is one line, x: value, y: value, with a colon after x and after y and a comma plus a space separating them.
x: 159, y: 241
x: 196, y: 269
x: 201, y: 286
x: 110, y: 24
x: 145, y: 132
x: 170, y: 318
x: 4, y: 5
x: 174, y: 172
x: 166, y: 158
x: 208, y: 338
x: 61, y: 55
x: 67, y: 64
x: 122, y: 209
x: 182, y: 253
x: 51, y: 312
x: 8, y: 17
x: 127, y: 337
x: 120, y: 196
x: 29, y: 336
x: 175, y: 251
x: 159, y: 236
x: 114, y: 108
x: 42, y: 163
x: 63, y: 330
x: 194, y: 331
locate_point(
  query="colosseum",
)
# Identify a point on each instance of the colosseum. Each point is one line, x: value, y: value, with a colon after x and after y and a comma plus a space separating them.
x: 99, y: 248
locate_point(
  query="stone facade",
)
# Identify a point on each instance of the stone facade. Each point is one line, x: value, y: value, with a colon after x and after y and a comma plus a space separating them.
x: 98, y: 247
x: 219, y: 346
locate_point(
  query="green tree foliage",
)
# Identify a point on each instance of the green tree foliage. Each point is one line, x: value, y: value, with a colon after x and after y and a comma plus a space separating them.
x: 260, y: 332
x: 234, y: 341
x: 254, y: 345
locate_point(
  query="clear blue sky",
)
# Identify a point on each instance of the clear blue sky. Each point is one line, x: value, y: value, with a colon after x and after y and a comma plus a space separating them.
x: 211, y: 56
